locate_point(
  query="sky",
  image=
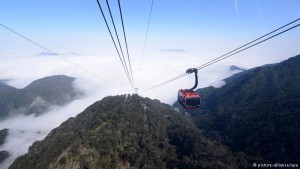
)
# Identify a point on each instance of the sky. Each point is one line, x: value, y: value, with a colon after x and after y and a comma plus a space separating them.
x: 187, y: 30
x: 190, y: 29
x: 197, y: 26
x: 182, y: 34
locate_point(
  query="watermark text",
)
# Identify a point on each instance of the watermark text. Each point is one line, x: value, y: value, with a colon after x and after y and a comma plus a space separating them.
x: 275, y: 165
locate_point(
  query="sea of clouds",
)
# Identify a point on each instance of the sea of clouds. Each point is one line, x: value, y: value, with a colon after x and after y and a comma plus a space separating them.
x: 110, y: 79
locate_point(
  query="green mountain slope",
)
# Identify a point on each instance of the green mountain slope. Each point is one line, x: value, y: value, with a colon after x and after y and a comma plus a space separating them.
x: 3, y: 154
x: 257, y: 112
x: 127, y: 132
x: 37, y: 96
x: 3, y: 135
x: 5, y: 88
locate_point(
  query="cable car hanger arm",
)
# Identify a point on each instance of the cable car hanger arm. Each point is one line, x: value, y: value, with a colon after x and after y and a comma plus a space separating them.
x: 193, y: 70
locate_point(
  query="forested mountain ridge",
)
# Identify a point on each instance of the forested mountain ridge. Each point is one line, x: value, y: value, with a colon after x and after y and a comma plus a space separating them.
x: 5, y: 88
x: 37, y: 96
x: 127, y: 132
x: 257, y: 112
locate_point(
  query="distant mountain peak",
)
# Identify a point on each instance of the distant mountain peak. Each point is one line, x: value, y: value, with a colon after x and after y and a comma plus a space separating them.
x: 55, y: 54
x: 38, y: 96
x: 46, y: 54
x: 5, y: 88
x: 233, y: 68
x: 4, y: 81
x: 51, y: 80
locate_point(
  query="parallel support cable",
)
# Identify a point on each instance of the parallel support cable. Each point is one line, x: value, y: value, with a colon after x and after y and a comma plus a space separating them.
x: 145, y: 41
x: 236, y: 51
x: 114, y: 42
x: 252, y: 41
x: 128, y: 57
x: 206, y: 65
x: 116, y: 32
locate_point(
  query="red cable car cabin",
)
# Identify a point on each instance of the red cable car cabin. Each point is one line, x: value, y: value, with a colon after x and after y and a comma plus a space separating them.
x: 189, y: 99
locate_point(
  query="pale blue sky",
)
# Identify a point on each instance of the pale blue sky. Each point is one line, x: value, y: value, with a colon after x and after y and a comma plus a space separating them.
x: 196, y: 26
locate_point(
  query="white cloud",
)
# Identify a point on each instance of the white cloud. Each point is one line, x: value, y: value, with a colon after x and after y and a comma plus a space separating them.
x: 24, y: 130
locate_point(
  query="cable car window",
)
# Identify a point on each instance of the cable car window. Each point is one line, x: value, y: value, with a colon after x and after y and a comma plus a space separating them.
x: 180, y: 97
x: 193, y: 101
